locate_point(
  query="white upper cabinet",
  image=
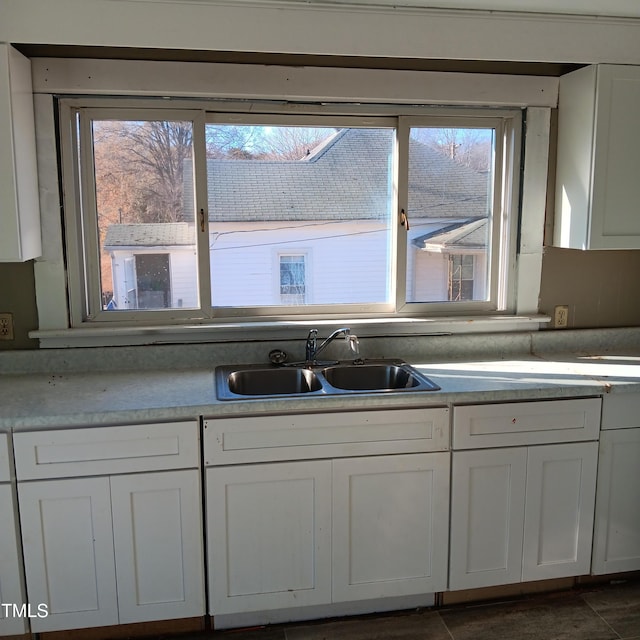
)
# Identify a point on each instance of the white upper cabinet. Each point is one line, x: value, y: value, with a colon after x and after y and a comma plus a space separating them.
x: 20, y: 239
x: 597, y: 185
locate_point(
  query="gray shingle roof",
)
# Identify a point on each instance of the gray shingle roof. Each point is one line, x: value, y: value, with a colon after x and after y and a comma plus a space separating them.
x: 149, y: 235
x: 347, y: 178
x: 467, y: 234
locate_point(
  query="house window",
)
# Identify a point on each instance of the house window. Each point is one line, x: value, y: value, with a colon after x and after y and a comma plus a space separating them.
x: 178, y: 213
x: 293, y: 278
x: 460, y: 280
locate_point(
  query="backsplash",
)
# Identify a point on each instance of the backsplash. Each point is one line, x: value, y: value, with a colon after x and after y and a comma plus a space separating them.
x: 425, y: 349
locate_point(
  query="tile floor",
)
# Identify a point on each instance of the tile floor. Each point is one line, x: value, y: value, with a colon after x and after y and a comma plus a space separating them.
x: 610, y: 612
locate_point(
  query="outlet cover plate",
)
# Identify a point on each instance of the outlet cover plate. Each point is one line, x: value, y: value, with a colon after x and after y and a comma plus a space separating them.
x: 6, y: 326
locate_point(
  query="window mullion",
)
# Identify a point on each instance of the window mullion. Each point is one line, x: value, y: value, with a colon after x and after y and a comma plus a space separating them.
x: 499, y: 224
x: 76, y: 274
x: 90, y: 216
x: 400, y: 231
x: 202, y: 213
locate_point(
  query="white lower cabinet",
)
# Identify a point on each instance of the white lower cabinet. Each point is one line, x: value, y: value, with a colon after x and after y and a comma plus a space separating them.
x: 11, y: 588
x: 106, y: 551
x: 616, y: 546
x: 13, y: 617
x: 390, y: 526
x: 116, y: 548
x: 292, y: 534
x: 157, y: 535
x: 269, y: 536
x: 521, y: 514
x: 68, y: 547
x: 487, y: 516
x: 559, y: 510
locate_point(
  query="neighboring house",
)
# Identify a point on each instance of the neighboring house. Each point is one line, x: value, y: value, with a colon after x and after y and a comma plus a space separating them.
x: 286, y: 232
x: 153, y: 265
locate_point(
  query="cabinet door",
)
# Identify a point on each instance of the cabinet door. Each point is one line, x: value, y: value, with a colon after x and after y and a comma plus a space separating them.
x: 269, y: 536
x: 617, y: 528
x: 596, y: 178
x: 19, y: 205
x: 157, y: 530
x: 390, y: 525
x: 68, y: 552
x: 559, y: 510
x: 487, y: 515
x: 615, y: 223
x: 10, y: 579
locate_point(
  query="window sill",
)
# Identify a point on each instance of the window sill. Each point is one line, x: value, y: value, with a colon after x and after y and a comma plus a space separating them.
x: 261, y: 331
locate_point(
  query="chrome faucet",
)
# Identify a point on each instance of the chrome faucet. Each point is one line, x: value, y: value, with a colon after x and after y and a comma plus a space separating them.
x: 313, y: 350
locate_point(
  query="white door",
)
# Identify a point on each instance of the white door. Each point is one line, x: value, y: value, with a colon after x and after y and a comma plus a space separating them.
x: 68, y: 552
x: 559, y: 510
x: 269, y: 536
x: 390, y: 525
x: 487, y: 516
x: 11, y: 622
x: 157, y: 530
x: 616, y: 545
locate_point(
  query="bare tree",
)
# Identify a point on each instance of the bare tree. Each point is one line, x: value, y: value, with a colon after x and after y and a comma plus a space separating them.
x: 293, y: 143
x: 140, y: 168
x: 232, y: 141
x: 160, y: 148
x: 469, y: 147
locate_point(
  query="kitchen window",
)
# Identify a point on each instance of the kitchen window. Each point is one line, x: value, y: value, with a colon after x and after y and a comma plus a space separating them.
x: 175, y: 215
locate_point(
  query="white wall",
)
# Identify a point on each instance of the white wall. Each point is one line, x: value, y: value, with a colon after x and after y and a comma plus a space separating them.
x: 333, y: 29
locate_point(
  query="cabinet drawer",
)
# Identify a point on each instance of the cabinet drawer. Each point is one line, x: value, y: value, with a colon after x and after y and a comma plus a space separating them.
x: 621, y: 411
x: 523, y: 423
x: 5, y: 474
x: 106, y: 450
x: 325, y: 435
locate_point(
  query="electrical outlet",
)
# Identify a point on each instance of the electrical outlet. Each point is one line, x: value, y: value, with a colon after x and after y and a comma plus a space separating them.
x: 6, y: 326
x: 560, y: 316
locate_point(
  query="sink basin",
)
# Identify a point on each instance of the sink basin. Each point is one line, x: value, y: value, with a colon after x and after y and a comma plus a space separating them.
x: 271, y: 381
x: 342, y: 378
x: 374, y: 377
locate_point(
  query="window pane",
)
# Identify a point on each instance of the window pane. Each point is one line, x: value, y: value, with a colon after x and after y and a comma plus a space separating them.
x: 292, y: 280
x: 461, y: 276
x: 450, y: 191
x: 281, y: 195
x: 146, y: 222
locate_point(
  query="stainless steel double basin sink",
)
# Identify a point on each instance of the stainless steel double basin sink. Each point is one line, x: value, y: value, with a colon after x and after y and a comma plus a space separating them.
x: 369, y: 376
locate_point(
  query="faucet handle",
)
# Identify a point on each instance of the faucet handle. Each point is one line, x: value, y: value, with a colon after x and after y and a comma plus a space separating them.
x: 354, y: 343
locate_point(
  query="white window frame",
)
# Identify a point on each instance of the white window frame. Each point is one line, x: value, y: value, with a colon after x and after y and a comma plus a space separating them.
x: 335, y: 89
x: 292, y: 253
x: 81, y: 215
x: 505, y: 188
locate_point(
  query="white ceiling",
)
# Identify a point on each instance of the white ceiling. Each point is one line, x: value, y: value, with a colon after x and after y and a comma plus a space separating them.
x: 624, y: 8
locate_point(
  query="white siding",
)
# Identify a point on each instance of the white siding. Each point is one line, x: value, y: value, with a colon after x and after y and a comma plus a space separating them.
x: 344, y: 261
x: 431, y: 284
x: 184, y: 278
